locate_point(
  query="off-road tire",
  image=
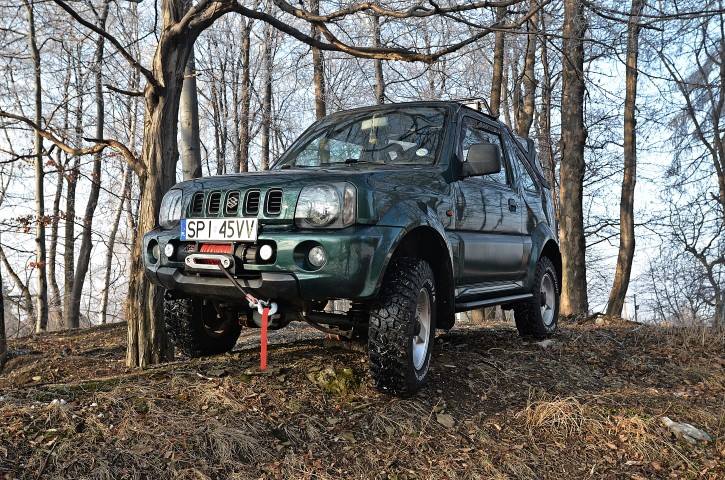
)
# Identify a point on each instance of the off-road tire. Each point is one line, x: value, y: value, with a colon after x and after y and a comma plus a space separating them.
x: 187, y: 321
x: 527, y: 314
x: 393, y: 325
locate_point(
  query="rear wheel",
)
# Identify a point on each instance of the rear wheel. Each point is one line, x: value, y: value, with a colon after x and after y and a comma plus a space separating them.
x: 402, y: 327
x: 537, y: 317
x: 198, y: 327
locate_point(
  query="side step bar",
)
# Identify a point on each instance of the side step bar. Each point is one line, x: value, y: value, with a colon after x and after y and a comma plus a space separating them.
x: 473, y: 304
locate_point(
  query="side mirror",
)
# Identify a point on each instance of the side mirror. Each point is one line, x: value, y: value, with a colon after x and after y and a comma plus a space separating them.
x: 482, y: 159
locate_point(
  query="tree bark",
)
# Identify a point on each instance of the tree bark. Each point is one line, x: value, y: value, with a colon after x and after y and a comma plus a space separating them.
x: 147, y: 341
x: 546, y: 144
x: 626, y: 206
x: 377, y: 63
x: 55, y: 304
x: 24, y: 290
x: 112, y: 243
x: 41, y: 321
x: 574, y: 300
x: 498, y: 57
x: 526, y: 113
x: 189, y: 140
x: 72, y: 309
x: 267, y: 97
x: 243, y: 159
x: 318, y: 76
x: 72, y: 176
x: 3, y: 342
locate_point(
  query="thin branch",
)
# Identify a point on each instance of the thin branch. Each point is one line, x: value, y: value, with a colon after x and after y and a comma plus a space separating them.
x: 99, y: 146
x: 125, y: 53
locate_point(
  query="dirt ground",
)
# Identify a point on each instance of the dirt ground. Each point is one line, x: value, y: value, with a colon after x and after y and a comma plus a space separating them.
x: 587, y: 406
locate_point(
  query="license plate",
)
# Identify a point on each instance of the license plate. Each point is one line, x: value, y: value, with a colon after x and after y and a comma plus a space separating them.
x: 219, y: 229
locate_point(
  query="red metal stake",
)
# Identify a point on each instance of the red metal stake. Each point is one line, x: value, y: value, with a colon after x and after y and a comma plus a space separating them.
x: 263, y: 340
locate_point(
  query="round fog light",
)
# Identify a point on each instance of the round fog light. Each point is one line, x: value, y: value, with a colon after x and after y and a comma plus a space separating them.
x: 169, y: 250
x: 317, y: 256
x: 155, y: 253
x: 266, y: 252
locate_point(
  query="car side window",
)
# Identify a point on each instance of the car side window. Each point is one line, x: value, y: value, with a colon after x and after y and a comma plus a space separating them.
x: 474, y: 132
x: 527, y: 181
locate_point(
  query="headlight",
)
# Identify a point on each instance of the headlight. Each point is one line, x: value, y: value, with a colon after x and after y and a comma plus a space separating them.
x: 326, y: 206
x: 170, y: 211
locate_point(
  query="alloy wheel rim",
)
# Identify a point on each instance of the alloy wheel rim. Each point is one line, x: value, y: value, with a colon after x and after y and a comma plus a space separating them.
x: 422, y: 337
x: 548, y: 299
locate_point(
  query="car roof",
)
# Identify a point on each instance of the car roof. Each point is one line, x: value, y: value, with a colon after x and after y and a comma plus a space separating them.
x: 449, y: 104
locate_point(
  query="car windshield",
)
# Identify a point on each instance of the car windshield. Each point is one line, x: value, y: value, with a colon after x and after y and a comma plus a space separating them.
x: 387, y: 136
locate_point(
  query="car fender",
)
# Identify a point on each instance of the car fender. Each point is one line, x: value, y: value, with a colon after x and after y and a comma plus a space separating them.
x: 540, y: 237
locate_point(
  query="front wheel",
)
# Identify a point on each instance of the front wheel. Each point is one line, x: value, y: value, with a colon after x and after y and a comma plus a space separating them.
x: 537, y: 317
x: 402, y: 327
x: 198, y: 327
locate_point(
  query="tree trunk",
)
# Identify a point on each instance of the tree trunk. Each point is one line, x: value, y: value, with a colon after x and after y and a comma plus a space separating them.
x: 243, y: 159
x: 377, y: 63
x: 626, y: 206
x: 497, y: 76
x: 72, y: 176
x: 112, y: 242
x: 72, y: 310
x: 574, y: 299
x: 55, y: 305
x: 189, y: 123
x: 267, y: 97
x: 41, y: 321
x: 24, y: 290
x: 3, y: 343
x: 526, y: 112
x: 147, y: 341
x: 546, y: 150
x: 318, y: 77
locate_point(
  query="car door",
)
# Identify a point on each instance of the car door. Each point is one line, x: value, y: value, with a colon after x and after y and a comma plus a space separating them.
x: 488, y: 217
x: 532, y: 211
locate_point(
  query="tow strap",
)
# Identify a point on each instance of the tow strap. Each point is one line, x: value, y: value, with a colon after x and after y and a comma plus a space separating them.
x: 265, y: 309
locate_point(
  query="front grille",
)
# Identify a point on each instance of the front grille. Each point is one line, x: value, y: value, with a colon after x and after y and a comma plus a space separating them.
x: 213, y: 203
x: 273, y: 202
x: 232, y: 204
x: 251, y: 202
x: 197, y: 203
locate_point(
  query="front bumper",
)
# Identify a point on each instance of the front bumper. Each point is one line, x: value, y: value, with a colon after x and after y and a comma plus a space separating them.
x: 356, y: 259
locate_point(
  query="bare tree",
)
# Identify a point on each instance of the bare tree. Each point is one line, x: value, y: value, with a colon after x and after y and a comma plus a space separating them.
x: 526, y: 113
x: 574, y: 299
x: 267, y: 79
x: 3, y: 342
x: 626, y: 207
x: 377, y: 63
x: 72, y: 309
x: 189, y: 123
x: 41, y: 323
x: 318, y: 77
x: 498, y: 65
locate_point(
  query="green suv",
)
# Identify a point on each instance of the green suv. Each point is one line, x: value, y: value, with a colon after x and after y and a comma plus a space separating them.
x: 411, y: 212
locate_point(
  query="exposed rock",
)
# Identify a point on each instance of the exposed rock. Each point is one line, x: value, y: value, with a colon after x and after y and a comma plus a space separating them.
x: 685, y: 431
x: 546, y: 344
x: 446, y: 420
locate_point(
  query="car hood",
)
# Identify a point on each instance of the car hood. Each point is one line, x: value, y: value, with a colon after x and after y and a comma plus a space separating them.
x: 377, y: 186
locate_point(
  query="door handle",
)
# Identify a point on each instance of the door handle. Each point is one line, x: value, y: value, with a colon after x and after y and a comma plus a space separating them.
x: 513, y: 204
